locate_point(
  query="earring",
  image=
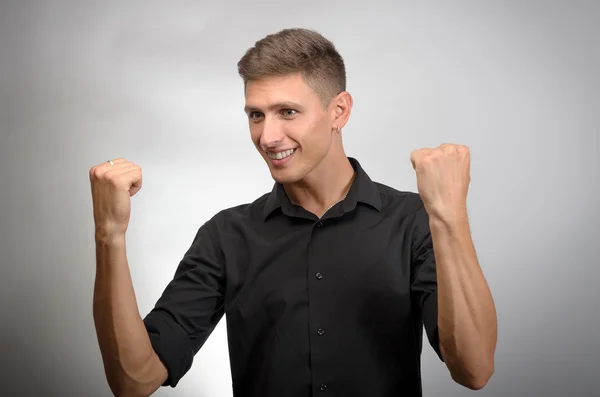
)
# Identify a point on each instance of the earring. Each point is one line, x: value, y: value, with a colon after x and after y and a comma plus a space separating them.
x: 338, y: 130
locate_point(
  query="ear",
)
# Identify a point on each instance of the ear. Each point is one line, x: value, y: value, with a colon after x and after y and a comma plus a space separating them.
x: 342, y: 108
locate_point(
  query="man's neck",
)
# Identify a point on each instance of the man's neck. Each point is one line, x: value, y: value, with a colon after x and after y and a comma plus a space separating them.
x: 327, y: 184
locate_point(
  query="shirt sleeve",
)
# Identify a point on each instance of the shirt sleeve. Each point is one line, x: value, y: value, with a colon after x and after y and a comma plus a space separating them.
x: 424, y: 278
x: 190, y: 307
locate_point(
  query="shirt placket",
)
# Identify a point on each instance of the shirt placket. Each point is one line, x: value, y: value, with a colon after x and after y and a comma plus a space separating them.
x: 317, y: 283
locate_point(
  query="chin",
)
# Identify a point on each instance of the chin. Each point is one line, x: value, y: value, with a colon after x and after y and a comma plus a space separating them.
x: 286, y: 175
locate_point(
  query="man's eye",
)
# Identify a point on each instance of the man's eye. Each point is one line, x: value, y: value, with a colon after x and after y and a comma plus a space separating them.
x: 255, y: 115
x: 289, y: 112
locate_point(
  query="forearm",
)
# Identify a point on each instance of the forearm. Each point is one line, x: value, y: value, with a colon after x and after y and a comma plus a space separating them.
x: 130, y: 363
x: 466, y: 312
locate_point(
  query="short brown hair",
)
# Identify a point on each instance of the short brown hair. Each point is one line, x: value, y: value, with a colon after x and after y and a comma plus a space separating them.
x: 301, y: 51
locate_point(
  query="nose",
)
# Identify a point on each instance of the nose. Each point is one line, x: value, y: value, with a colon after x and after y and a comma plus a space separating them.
x: 272, y: 134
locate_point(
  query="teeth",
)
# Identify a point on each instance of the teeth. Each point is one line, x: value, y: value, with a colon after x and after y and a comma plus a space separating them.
x: 280, y: 155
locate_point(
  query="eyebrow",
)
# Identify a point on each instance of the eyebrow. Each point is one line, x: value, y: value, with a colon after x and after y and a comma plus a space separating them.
x: 278, y: 105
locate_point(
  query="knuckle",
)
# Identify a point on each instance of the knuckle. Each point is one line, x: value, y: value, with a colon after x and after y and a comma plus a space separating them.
x: 95, y: 173
x: 113, y: 181
x: 109, y: 176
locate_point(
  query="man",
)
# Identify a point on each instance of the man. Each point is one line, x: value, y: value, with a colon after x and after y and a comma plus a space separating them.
x: 326, y: 281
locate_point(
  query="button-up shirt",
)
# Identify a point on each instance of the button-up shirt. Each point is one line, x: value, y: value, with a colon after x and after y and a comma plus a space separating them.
x: 334, y: 306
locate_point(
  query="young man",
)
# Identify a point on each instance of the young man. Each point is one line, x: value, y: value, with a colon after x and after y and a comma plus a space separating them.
x: 326, y: 281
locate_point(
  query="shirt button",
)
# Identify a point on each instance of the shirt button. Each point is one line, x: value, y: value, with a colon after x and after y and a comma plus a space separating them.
x: 319, y: 276
x: 320, y: 332
x: 319, y: 224
x: 323, y: 387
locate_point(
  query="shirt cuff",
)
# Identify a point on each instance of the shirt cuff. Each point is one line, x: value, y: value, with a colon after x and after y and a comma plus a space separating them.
x: 171, y: 344
x: 430, y: 321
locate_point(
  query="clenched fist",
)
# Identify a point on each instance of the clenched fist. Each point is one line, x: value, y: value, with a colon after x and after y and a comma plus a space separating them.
x: 443, y: 177
x: 112, y: 188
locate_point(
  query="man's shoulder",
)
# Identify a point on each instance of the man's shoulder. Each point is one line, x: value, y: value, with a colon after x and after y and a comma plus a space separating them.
x: 248, y: 211
x: 392, y: 197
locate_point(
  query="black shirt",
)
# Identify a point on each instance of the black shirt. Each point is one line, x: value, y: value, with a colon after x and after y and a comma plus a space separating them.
x: 315, y: 307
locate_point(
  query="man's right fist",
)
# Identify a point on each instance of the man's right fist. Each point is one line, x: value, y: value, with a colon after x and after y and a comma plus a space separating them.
x: 112, y: 187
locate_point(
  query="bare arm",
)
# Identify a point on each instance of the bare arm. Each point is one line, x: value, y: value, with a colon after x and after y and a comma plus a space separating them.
x: 466, y: 311
x: 132, y: 367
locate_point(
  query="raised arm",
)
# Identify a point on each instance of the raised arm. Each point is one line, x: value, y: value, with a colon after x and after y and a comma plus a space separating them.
x: 131, y: 365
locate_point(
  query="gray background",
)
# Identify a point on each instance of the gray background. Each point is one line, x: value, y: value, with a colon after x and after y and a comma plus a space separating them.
x: 156, y: 82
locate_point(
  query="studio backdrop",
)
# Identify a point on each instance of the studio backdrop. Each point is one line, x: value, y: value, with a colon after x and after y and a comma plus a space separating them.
x: 156, y: 82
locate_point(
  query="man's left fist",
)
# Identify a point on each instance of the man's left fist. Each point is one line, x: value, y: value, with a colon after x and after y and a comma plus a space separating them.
x: 443, y: 177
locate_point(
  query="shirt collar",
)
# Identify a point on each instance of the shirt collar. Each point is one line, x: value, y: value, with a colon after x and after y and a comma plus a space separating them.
x: 363, y: 190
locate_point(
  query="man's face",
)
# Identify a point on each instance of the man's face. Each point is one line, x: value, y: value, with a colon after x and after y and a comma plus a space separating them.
x: 289, y: 125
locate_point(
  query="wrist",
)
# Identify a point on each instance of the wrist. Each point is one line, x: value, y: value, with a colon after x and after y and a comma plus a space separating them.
x: 450, y: 218
x: 109, y: 236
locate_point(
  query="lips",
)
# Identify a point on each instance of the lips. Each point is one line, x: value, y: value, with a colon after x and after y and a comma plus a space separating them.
x: 280, y: 155
x: 282, y: 158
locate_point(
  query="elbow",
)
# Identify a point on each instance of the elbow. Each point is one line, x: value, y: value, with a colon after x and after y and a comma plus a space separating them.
x: 477, y: 383
x: 474, y: 379
x: 136, y: 381
x: 126, y: 389
x: 122, y: 388
x: 472, y: 371
x: 123, y: 385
